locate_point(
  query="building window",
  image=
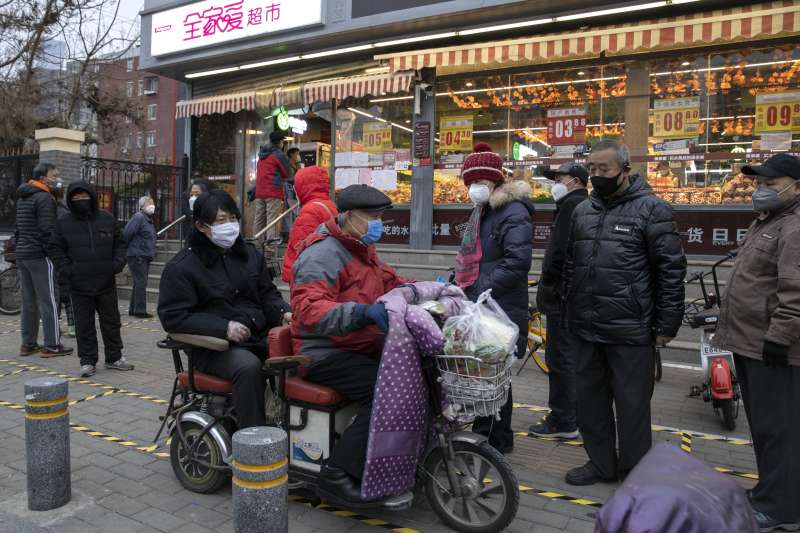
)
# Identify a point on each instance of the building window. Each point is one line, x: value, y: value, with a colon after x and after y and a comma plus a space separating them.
x: 152, y: 85
x: 152, y: 111
x: 129, y: 89
x: 139, y: 139
x: 151, y: 138
x: 151, y: 159
x: 130, y: 64
x: 141, y: 87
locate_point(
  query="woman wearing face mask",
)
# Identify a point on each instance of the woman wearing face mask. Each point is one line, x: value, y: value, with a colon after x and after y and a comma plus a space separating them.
x: 219, y: 286
x: 496, y: 254
x: 140, y: 234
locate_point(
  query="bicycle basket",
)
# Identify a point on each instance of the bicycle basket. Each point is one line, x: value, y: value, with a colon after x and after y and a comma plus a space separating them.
x: 475, y: 387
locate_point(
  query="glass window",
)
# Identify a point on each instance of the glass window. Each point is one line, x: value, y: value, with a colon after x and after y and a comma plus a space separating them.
x: 152, y: 85
x: 151, y: 138
x: 130, y: 64
x: 129, y: 89
x: 141, y: 87
x: 152, y: 111
x: 139, y: 138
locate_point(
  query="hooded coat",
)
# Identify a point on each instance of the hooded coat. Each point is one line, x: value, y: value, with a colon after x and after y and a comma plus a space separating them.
x: 507, y: 248
x: 312, y: 186
x: 272, y: 172
x: 36, y: 217
x: 88, y: 250
x: 624, y: 269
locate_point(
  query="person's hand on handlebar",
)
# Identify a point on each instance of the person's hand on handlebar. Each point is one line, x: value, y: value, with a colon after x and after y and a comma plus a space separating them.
x: 237, y: 332
x: 373, y: 314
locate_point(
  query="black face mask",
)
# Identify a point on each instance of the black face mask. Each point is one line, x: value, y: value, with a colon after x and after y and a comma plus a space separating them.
x: 605, y: 186
x: 81, y: 207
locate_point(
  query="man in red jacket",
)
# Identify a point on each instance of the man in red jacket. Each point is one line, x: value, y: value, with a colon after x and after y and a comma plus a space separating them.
x: 337, y: 280
x: 272, y: 174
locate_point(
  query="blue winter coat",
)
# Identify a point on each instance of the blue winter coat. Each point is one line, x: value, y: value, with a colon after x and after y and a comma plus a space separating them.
x: 140, y: 234
x: 506, y: 248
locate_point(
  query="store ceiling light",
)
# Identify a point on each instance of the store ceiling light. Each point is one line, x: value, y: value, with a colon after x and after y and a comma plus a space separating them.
x: 270, y: 62
x: 338, y: 51
x: 686, y: 64
x: 468, y: 84
x: 418, y: 38
x: 509, y: 26
x: 193, y: 75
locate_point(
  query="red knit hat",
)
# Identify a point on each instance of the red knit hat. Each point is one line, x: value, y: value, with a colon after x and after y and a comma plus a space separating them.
x: 482, y: 164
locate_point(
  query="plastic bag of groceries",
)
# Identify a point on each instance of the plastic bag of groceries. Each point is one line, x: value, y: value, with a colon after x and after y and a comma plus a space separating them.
x: 482, y: 330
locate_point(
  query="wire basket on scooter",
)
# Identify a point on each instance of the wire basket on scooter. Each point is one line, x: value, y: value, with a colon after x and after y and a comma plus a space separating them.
x: 476, y: 387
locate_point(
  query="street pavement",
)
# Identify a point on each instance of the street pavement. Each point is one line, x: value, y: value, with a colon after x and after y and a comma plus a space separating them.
x: 130, y: 487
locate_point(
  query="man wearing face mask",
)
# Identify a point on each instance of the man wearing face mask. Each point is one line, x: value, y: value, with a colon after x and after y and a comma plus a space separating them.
x: 568, y: 191
x: 623, y: 293
x: 140, y: 234
x: 88, y: 249
x: 36, y: 217
x: 337, y: 280
x: 760, y: 323
x: 219, y: 286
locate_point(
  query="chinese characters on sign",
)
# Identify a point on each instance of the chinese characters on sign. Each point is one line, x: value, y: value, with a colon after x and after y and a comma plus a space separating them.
x: 217, y: 21
x: 422, y: 144
x: 676, y: 117
x: 566, y: 126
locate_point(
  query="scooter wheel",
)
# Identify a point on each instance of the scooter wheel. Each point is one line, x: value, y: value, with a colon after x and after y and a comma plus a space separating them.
x: 490, y: 490
x: 193, y: 475
x: 728, y: 410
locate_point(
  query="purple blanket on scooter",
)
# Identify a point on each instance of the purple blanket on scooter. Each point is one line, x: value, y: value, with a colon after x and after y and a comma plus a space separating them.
x: 672, y: 492
x: 400, y: 408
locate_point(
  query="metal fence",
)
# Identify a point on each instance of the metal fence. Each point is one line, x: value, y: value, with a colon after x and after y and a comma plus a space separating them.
x: 13, y: 171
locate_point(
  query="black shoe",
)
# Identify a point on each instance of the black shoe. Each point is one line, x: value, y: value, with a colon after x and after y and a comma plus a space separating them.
x: 546, y: 428
x: 585, y: 475
x: 142, y: 315
x: 337, y: 487
x: 767, y: 524
x: 29, y: 349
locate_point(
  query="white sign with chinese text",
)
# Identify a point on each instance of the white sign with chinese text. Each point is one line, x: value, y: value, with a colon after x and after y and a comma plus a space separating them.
x: 220, y: 21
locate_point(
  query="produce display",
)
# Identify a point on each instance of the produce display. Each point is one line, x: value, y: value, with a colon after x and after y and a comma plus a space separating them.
x: 739, y: 189
x: 689, y: 195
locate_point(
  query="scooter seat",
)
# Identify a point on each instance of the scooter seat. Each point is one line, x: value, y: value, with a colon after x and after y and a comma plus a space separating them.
x: 301, y: 390
x: 206, y: 382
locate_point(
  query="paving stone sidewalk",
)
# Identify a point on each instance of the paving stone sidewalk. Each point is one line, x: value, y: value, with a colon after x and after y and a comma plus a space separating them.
x: 121, y: 489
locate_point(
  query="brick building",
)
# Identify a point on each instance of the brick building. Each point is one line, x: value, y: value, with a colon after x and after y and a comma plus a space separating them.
x: 153, y: 139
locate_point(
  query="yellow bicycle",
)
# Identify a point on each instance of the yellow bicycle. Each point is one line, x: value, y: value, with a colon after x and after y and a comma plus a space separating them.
x: 537, y: 337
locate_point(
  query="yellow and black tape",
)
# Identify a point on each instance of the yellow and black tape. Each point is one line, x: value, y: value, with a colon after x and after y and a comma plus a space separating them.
x: 94, y: 396
x: 13, y: 372
x: 552, y: 495
x: 686, y: 442
x: 377, y: 522
x: 152, y: 449
x: 14, y: 406
x: 737, y: 473
x: 135, y: 325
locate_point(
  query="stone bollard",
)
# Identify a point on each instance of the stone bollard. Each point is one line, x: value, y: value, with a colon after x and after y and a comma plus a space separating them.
x: 47, y: 443
x: 260, y: 480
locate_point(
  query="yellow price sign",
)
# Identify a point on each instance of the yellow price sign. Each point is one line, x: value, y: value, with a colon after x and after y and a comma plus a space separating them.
x: 377, y: 137
x: 455, y: 133
x: 778, y: 112
x: 676, y: 117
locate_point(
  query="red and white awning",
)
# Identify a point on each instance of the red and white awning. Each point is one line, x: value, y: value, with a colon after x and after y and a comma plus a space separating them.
x: 356, y: 86
x: 757, y: 21
x: 223, y: 103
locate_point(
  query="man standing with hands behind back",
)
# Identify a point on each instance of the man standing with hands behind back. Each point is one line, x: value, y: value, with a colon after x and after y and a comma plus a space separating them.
x: 623, y: 293
x: 760, y: 323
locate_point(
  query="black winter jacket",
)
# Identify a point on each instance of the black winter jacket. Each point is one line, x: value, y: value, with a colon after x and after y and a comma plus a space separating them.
x: 204, y: 287
x: 625, y: 269
x: 36, y: 217
x: 548, y: 294
x: 88, y: 250
x: 506, y: 248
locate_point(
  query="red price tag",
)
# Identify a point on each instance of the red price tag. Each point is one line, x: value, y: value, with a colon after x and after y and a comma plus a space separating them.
x: 566, y: 126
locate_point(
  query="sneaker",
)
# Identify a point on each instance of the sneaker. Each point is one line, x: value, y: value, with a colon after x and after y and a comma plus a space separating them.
x: 546, y: 429
x: 120, y: 364
x: 56, y: 351
x: 585, y: 475
x: 768, y: 524
x: 29, y: 349
x: 88, y: 371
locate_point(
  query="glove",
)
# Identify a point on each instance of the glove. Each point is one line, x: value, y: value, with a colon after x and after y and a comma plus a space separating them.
x: 372, y: 314
x: 237, y: 332
x: 775, y: 355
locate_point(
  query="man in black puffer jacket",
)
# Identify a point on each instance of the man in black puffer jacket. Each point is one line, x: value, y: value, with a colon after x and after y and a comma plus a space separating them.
x: 88, y: 249
x: 623, y: 294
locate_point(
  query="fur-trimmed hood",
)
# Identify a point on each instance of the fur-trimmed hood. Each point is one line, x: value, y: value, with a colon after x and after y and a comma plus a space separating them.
x: 508, y: 192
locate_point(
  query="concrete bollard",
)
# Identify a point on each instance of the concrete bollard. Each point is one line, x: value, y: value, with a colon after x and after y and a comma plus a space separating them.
x: 260, y: 480
x: 47, y: 443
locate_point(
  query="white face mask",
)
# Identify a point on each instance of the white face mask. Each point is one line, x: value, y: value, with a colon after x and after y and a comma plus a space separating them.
x: 224, y: 235
x: 191, y: 202
x: 479, y: 193
x: 149, y: 210
x: 560, y: 190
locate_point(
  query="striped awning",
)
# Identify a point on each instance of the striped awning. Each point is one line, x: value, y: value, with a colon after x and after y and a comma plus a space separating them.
x: 223, y: 103
x: 746, y: 23
x: 356, y: 86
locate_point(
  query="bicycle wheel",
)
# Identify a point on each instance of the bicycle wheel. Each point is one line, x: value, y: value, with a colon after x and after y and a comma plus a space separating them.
x: 537, y: 341
x: 10, y: 295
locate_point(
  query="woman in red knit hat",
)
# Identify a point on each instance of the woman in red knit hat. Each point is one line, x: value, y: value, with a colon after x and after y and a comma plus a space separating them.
x: 495, y: 254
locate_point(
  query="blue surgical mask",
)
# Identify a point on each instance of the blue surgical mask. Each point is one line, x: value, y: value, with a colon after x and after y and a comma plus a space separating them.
x: 374, y: 231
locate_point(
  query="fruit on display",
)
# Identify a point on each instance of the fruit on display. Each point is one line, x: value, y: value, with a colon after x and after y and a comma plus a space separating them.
x: 689, y: 195
x: 738, y: 189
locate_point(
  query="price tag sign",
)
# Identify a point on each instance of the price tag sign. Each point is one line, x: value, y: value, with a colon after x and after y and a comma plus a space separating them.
x: 455, y: 133
x: 676, y: 117
x: 566, y: 126
x: 377, y: 137
x: 778, y: 112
